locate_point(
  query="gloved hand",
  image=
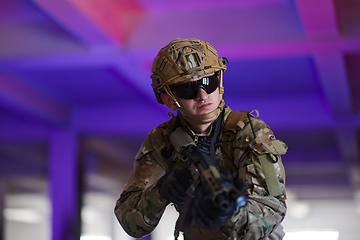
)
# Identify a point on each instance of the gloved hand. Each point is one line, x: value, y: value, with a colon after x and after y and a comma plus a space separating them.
x: 208, y: 215
x: 173, y: 185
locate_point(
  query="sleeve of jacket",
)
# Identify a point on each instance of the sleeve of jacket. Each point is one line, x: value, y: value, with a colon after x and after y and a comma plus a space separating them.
x: 140, y: 205
x: 261, y: 169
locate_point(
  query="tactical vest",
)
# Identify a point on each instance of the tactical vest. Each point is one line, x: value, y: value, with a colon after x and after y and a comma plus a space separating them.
x: 226, y: 159
x: 159, y: 145
x: 233, y: 122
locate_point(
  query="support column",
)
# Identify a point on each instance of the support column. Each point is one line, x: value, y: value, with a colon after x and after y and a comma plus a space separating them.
x: 2, y: 206
x: 65, y: 182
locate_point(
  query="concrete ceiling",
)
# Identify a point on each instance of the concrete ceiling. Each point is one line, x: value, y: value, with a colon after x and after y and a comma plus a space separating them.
x: 85, y: 66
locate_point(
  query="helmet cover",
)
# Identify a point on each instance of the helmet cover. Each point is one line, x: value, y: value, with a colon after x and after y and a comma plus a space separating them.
x: 182, y: 60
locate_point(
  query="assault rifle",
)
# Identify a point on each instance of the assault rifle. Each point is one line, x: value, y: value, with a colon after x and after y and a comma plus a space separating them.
x: 221, y: 189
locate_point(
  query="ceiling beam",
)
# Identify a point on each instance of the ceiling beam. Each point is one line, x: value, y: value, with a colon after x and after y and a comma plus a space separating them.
x: 72, y: 17
x: 331, y: 67
x: 117, y: 18
x: 110, y: 120
x: 288, y: 48
x: 332, y: 70
x: 318, y: 17
x: 19, y: 98
x: 137, y: 75
x: 190, y: 4
x: 71, y: 60
x: 128, y: 60
x: 123, y: 62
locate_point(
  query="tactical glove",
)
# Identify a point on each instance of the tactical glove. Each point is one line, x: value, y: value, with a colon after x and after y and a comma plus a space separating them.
x: 207, y: 214
x: 173, y: 185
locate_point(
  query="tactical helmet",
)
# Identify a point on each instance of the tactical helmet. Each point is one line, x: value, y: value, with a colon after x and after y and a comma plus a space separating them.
x: 182, y: 60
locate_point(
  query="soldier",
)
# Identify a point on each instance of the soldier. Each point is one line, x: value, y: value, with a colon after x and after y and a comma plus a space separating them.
x: 188, y: 77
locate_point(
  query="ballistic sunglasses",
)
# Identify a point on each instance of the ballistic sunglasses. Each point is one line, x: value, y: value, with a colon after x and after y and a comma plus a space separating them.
x: 190, y: 90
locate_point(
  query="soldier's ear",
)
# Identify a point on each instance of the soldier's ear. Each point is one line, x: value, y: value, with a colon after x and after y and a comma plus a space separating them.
x: 168, y: 101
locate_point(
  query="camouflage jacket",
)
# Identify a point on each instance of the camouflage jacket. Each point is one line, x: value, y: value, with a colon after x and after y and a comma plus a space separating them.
x: 140, y: 205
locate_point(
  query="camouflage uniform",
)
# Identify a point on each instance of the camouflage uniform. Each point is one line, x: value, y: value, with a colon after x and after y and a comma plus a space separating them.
x: 140, y: 205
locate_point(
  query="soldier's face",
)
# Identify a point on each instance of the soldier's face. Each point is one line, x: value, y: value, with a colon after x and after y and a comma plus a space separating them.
x: 203, y: 103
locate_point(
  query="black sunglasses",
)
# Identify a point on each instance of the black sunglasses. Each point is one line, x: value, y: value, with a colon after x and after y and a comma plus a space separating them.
x: 190, y: 90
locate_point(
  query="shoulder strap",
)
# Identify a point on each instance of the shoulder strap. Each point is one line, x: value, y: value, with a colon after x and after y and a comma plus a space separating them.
x: 235, y: 120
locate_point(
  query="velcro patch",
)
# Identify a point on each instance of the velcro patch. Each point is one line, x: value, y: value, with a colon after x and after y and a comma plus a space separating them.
x: 263, y: 145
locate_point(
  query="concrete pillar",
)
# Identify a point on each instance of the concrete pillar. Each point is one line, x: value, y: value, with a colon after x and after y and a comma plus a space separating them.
x: 65, y: 185
x: 2, y: 206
